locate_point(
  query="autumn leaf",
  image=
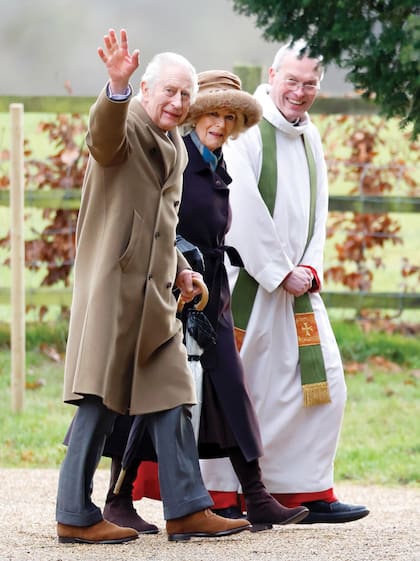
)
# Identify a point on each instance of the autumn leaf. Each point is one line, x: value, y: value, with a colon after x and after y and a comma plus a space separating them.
x: 34, y: 384
x: 51, y: 352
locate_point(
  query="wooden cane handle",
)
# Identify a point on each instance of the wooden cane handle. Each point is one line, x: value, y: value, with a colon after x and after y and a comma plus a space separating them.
x: 120, y: 481
x: 202, y: 303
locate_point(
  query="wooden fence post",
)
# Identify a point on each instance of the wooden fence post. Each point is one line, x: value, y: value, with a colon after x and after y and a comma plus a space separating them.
x: 17, y: 186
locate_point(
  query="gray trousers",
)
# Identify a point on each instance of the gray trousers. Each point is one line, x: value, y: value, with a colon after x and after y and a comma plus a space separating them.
x: 181, y: 485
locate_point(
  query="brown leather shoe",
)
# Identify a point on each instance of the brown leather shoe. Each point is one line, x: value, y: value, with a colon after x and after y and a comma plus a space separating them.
x: 203, y: 524
x: 102, y: 532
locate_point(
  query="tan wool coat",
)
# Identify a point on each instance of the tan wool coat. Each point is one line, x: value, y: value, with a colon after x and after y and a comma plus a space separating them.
x: 125, y: 343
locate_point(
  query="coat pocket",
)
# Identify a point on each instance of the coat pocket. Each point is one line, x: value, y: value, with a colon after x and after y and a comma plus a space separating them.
x: 135, y: 237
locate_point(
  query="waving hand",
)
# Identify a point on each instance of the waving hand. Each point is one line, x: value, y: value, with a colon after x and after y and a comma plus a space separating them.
x: 118, y: 61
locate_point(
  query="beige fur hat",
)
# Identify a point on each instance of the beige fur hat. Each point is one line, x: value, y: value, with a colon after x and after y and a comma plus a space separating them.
x: 220, y: 89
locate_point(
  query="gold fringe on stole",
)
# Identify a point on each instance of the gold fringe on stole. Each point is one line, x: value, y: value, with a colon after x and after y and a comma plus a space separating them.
x: 316, y: 394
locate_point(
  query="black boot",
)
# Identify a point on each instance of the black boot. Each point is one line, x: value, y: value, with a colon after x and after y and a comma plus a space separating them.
x: 262, y: 509
x: 119, y: 508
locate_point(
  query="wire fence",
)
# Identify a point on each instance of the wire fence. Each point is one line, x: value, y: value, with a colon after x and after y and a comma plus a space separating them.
x: 24, y: 285
x: 377, y: 188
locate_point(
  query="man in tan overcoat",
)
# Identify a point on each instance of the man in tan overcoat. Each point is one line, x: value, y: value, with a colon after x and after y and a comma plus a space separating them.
x: 125, y: 352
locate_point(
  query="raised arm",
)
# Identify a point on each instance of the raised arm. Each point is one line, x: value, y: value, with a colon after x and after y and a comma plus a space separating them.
x: 119, y: 62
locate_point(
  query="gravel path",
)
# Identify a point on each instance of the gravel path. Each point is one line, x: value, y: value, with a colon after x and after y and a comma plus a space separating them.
x: 390, y: 532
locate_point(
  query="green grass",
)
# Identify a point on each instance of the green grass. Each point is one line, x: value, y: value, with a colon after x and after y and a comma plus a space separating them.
x: 33, y: 438
x: 379, y: 442
x: 357, y: 346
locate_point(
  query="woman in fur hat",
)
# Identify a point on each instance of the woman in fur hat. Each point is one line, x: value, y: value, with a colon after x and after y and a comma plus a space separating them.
x: 228, y: 425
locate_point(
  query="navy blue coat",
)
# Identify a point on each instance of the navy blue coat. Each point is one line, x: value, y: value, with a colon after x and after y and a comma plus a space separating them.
x: 228, y: 417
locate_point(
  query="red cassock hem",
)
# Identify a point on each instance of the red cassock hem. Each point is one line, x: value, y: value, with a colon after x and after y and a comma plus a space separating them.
x: 147, y: 485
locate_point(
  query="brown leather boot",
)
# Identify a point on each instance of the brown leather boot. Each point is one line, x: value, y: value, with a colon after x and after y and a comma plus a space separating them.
x: 203, y: 524
x: 119, y: 508
x: 122, y: 512
x: 262, y: 509
x: 101, y: 532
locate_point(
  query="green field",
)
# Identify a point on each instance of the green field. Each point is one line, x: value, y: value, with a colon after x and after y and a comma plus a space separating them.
x: 379, y: 441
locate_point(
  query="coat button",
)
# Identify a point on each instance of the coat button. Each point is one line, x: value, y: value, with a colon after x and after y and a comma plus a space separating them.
x: 176, y: 203
x: 157, y: 235
x: 175, y: 243
x: 168, y: 285
x: 150, y: 276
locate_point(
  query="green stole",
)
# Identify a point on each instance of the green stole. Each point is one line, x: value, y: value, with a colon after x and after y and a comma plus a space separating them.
x: 313, y: 375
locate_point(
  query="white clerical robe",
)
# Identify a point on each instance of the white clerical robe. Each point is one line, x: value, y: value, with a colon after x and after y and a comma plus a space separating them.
x: 299, y: 442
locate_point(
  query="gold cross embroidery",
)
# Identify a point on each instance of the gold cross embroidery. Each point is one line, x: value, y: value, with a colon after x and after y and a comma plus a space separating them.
x: 306, y: 329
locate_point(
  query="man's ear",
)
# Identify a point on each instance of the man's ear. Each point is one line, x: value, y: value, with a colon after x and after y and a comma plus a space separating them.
x: 271, y: 74
x: 144, y: 89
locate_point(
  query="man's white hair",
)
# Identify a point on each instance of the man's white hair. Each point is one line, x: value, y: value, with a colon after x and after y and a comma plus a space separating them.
x: 299, y: 49
x: 154, y: 69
